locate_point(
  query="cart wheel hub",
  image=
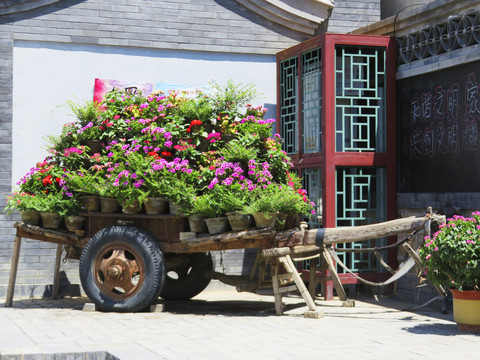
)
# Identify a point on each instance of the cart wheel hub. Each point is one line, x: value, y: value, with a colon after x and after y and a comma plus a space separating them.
x: 115, y: 271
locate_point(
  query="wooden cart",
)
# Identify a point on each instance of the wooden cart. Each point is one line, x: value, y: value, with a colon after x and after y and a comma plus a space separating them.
x: 128, y: 261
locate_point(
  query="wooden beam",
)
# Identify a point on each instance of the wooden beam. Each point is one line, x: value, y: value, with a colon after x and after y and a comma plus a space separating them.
x: 367, y: 232
x: 13, y: 271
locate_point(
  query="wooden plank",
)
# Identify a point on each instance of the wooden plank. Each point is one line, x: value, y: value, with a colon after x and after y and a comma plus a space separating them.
x: 47, y: 235
x: 333, y: 273
x: 248, y: 243
x: 56, y: 271
x: 290, y: 267
x: 231, y: 236
x: 312, y: 284
x: 13, y: 271
x: 276, y: 290
x: 366, y: 232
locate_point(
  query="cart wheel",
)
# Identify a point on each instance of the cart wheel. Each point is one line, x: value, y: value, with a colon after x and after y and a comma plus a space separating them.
x: 122, y: 269
x: 187, y: 279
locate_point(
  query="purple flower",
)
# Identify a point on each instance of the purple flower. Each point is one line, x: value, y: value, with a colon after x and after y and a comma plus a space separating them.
x: 213, y: 183
x: 227, y: 181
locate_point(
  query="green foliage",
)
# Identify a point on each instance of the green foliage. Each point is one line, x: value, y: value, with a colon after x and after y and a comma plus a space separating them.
x: 236, y: 152
x: 452, y: 255
x: 218, y: 201
x: 21, y: 201
x: 56, y: 202
x: 228, y: 99
x: 289, y: 201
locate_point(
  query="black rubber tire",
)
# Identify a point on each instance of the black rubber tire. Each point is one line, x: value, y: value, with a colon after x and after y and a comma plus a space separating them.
x: 149, y: 255
x: 191, y: 279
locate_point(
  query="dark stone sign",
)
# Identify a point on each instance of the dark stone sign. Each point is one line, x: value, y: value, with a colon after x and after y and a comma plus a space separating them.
x: 438, y: 131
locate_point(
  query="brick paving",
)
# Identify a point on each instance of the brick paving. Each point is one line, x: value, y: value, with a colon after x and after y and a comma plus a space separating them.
x: 230, y: 325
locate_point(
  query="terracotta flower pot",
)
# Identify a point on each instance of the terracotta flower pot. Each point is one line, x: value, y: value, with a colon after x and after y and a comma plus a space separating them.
x: 90, y: 203
x: 31, y: 217
x: 264, y: 220
x: 217, y: 225
x: 197, y: 224
x: 74, y: 223
x: 109, y: 205
x: 50, y: 220
x: 174, y: 209
x: 132, y: 209
x: 466, y: 310
x: 293, y: 221
x: 281, y: 221
x: 155, y: 205
x: 94, y: 145
x: 239, y: 221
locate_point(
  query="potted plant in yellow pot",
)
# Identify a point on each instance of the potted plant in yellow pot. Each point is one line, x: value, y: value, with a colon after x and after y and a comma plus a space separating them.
x: 452, y: 256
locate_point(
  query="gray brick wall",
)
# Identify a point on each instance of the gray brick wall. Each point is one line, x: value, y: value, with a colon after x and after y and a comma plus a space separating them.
x: 350, y: 15
x: 200, y: 25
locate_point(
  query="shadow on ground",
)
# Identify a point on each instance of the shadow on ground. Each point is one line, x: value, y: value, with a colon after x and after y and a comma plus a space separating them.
x: 437, y: 329
x: 194, y: 306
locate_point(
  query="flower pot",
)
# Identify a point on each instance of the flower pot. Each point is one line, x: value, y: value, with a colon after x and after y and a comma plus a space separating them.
x: 134, y: 208
x: 217, y: 225
x: 94, y: 145
x: 90, y: 203
x: 74, y: 223
x: 109, y: 205
x: 31, y: 217
x: 239, y: 221
x: 203, y: 146
x: 264, y: 220
x: 174, y: 209
x: 293, y: 221
x: 281, y: 221
x: 50, y: 220
x: 466, y: 310
x: 197, y: 224
x: 155, y: 205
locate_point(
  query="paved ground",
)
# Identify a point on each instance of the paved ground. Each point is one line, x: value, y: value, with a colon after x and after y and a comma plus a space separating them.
x: 230, y: 325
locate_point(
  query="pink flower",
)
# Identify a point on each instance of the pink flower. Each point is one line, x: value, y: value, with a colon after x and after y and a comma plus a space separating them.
x: 428, y: 256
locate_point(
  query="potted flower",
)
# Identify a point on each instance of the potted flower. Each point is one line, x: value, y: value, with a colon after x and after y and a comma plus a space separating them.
x: 263, y: 206
x: 208, y: 206
x: 26, y: 204
x: 452, y: 256
x: 54, y: 206
x: 89, y: 128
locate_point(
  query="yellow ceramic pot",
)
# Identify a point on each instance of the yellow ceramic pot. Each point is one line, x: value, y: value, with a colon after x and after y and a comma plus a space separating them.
x: 466, y: 310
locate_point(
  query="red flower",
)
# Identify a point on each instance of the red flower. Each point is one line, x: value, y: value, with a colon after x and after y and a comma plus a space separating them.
x: 166, y: 154
x: 47, y: 181
x: 153, y: 153
x: 211, y: 167
x: 195, y: 122
x: 57, y: 179
x: 189, y: 129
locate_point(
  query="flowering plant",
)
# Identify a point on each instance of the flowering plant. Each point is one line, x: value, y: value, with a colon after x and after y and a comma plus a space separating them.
x: 452, y: 255
x: 57, y: 202
x: 209, y: 153
x: 21, y: 201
